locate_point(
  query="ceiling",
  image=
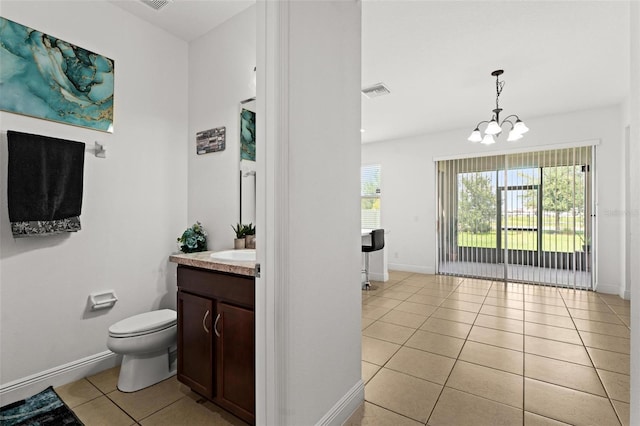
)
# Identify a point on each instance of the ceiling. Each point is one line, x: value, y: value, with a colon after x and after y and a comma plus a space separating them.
x: 436, y: 57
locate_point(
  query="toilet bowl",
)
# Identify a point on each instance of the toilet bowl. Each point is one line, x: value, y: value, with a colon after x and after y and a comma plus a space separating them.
x: 145, y: 342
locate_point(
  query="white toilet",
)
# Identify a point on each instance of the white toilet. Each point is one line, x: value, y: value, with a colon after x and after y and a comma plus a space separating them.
x: 146, y: 342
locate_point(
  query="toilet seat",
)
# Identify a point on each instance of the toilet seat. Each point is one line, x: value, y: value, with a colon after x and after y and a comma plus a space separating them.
x: 146, y: 323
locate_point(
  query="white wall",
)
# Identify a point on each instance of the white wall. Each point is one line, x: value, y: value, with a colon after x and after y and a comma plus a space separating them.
x: 133, y: 205
x: 220, y: 76
x: 409, y: 191
x: 309, y: 76
x: 634, y: 183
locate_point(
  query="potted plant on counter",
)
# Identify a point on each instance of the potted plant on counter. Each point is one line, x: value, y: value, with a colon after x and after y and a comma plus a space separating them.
x: 240, y: 230
x: 250, y: 236
x: 193, y: 239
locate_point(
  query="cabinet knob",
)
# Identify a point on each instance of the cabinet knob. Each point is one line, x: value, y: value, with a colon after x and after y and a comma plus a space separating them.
x: 215, y: 326
x: 204, y: 321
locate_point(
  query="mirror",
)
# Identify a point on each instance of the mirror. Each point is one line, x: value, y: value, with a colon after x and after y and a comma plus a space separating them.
x: 248, y: 161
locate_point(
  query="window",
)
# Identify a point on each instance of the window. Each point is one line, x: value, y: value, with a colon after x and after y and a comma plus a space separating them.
x: 370, y: 196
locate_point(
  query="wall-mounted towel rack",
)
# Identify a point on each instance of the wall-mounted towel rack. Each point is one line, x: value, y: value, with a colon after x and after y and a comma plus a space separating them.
x: 99, y: 149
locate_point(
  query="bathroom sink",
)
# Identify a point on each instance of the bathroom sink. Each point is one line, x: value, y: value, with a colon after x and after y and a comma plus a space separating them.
x: 247, y: 255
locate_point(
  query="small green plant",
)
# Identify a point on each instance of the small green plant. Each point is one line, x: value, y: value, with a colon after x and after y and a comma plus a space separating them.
x: 240, y: 230
x: 193, y: 239
x: 249, y: 229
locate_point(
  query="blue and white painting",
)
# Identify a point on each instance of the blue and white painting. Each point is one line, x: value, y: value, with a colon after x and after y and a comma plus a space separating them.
x: 45, y: 77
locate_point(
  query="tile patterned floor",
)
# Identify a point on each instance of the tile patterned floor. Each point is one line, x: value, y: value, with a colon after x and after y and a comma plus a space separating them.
x: 97, y: 402
x: 441, y: 350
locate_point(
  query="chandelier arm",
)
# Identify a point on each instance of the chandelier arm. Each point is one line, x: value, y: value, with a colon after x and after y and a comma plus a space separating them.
x: 506, y: 119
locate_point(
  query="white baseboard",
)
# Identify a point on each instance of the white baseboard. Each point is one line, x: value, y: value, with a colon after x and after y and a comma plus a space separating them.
x: 57, y: 376
x: 342, y: 410
x: 430, y: 270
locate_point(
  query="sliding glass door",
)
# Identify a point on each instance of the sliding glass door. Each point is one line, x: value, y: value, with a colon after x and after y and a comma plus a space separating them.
x: 518, y: 217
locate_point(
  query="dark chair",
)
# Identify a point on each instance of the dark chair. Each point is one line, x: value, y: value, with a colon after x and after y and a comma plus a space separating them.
x: 377, y: 243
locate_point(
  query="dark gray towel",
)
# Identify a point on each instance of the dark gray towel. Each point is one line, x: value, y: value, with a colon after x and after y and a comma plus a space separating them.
x: 44, y: 185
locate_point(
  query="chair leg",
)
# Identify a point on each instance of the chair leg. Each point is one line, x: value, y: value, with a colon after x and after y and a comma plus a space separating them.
x: 367, y: 284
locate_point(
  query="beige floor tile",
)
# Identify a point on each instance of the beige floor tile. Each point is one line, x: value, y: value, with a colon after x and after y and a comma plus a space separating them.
x: 416, y: 308
x: 562, y: 373
x: 544, y: 300
x: 486, y: 382
x: 372, y: 415
x: 499, y: 311
x: 546, y: 309
x: 557, y: 350
x: 426, y: 299
x: 377, y: 351
x: 499, y: 323
x: 616, y: 384
x: 466, y: 297
x: 595, y: 316
x: 505, y: 295
x: 461, y: 305
x: 390, y: 332
x: 439, y: 292
x: 421, y: 364
x: 626, y: 320
x: 78, y: 392
x: 493, y: 356
x: 383, y: 302
x: 622, y: 409
x: 368, y: 371
x: 455, y: 315
x: 102, y: 412
x: 609, y: 343
x: 549, y: 319
x: 107, y: 380
x: 621, y: 310
x: 374, y: 312
x: 399, y: 275
x: 409, y: 286
x: 186, y: 411
x: 613, y: 300
x: 144, y: 402
x: 567, y: 405
x: 366, y: 322
x: 405, y: 319
x: 531, y: 419
x: 478, y: 291
x: 553, y: 333
x: 490, y: 336
x: 435, y: 343
x: 588, y: 306
x: 602, y: 328
x: 446, y: 327
x: 505, y: 303
x: 477, y: 411
x: 403, y: 394
x: 396, y: 294
x: 610, y: 361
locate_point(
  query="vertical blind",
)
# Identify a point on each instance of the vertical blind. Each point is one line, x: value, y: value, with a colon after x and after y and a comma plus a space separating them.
x: 525, y: 217
x: 370, y: 196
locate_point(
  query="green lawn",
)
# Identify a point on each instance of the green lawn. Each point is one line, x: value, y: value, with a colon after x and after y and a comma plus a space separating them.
x: 523, y: 240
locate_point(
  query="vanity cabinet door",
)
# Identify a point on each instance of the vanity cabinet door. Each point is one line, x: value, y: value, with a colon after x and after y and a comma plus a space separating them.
x: 235, y: 360
x: 195, y: 343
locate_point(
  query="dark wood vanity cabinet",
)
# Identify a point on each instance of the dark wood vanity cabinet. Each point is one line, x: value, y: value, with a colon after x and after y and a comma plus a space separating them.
x: 216, y: 338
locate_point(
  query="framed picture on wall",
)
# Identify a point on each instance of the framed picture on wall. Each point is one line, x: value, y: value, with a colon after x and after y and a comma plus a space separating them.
x: 211, y: 140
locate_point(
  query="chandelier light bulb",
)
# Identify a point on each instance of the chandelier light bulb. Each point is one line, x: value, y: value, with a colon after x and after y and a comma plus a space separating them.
x: 520, y: 127
x: 493, y: 128
x: 488, y: 140
x: 475, y: 136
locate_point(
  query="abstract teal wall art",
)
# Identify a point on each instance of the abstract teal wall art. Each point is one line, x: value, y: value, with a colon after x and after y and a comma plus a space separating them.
x: 45, y: 77
x: 247, y: 135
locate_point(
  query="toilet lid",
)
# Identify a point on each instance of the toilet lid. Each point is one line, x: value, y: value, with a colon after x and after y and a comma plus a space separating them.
x: 145, y: 323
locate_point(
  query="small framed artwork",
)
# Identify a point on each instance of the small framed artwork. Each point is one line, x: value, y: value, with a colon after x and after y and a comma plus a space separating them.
x: 211, y: 140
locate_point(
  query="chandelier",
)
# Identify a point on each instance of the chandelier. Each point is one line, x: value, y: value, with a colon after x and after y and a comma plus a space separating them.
x: 495, y: 126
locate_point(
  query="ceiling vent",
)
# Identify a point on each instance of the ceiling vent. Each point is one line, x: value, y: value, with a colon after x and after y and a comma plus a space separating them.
x: 156, y: 4
x: 376, y: 90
